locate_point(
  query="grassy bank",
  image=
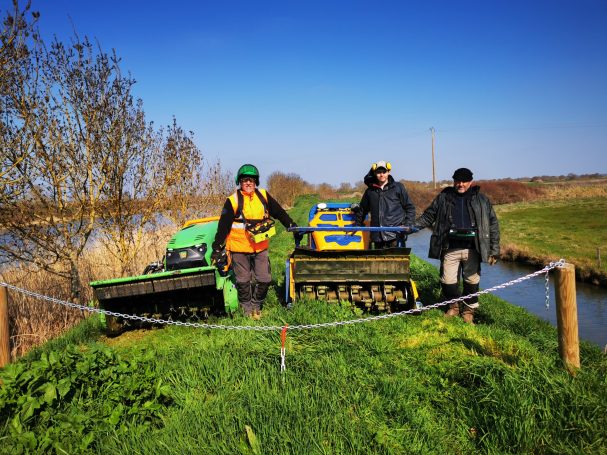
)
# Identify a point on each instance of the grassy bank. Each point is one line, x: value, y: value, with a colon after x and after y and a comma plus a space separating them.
x: 572, y: 229
x: 414, y: 384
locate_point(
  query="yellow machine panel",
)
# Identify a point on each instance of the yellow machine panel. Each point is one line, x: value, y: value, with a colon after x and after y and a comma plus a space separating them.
x: 336, y: 240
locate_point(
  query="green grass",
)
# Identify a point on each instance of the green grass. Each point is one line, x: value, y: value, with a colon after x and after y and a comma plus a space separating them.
x: 570, y: 229
x: 413, y: 384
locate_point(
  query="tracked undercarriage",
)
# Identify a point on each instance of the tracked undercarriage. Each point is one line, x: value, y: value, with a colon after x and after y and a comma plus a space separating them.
x: 337, y: 264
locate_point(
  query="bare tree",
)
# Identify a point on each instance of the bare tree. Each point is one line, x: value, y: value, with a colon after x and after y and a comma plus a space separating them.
x: 345, y: 187
x: 217, y: 184
x: 326, y: 191
x: 286, y: 187
x: 154, y: 178
x: 72, y: 116
x: 128, y: 195
x: 79, y: 160
x: 183, y: 162
x: 17, y: 29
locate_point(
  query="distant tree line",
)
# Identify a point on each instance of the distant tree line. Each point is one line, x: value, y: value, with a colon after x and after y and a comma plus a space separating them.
x: 79, y: 159
x: 285, y: 187
x: 564, y: 178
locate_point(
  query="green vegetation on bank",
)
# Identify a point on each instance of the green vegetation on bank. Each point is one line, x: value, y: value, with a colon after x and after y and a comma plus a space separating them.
x: 412, y: 384
x: 572, y: 229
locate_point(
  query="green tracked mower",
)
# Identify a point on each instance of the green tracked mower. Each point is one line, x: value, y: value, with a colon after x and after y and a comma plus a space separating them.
x: 183, y: 286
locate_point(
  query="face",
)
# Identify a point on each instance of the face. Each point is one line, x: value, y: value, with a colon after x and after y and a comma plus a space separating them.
x: 461, y: 187
x: 382, y: 175
x: 247, y: 184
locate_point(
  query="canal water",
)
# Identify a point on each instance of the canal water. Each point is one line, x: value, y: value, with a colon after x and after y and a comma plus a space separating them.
x: 531, y: 293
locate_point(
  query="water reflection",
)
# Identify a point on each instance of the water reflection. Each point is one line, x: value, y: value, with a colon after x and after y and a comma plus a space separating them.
x: 531, y: 294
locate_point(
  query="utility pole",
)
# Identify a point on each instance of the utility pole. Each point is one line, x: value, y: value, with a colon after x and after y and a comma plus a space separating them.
x: 433, y: 172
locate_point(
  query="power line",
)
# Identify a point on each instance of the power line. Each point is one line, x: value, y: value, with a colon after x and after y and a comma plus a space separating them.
x: 525, y: 128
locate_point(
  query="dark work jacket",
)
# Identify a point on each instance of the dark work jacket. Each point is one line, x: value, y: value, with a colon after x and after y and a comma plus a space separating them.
x: 389, y: 207
x: 439, y: 217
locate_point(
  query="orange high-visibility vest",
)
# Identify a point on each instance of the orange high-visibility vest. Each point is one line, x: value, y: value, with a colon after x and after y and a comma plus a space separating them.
x: 253, y: 208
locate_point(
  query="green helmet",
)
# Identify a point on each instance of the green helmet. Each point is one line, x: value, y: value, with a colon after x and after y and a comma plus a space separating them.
x: 247, y: 170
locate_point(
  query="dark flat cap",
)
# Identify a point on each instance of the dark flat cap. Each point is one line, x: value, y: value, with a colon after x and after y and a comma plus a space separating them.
x: 462, y: 175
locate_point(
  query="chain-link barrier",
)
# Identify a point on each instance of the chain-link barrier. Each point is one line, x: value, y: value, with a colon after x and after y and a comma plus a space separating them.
x: 547, y: 286
x: 321, y: 325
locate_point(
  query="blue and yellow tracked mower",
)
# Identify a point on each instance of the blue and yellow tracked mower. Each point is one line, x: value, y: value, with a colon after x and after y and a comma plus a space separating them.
x: 338, y: 264
x: 183, y: 286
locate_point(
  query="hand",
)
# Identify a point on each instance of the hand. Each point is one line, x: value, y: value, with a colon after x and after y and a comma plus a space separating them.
x: 216, y: 255
x: 297, y: 236
x: 407, y: 229
x: 492, y: 260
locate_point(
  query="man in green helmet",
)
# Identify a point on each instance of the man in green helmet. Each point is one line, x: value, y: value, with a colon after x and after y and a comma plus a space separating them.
x: 244, y: 228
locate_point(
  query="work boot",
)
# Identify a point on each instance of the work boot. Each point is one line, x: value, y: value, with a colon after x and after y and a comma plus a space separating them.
x: 256, y: 309
x: 453, y: 310
x: 468, y: 315
x: 247, y: 309
x: 450, y: 292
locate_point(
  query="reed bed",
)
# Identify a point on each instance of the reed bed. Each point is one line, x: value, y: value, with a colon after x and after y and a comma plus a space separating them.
x: 575, y: 190
x: 33, y: 322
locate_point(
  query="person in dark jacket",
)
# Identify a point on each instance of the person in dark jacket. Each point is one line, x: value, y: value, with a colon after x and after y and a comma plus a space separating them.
x: 389, y: 204
x: 465, y: 232
x: 243, y: 212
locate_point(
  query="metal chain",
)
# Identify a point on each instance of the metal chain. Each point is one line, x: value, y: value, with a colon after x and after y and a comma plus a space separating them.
x: 559, y: 263
x: 133, y: 317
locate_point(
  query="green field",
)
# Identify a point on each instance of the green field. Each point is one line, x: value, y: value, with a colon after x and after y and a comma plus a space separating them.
x: 411, y: 384
x: 571, y: 229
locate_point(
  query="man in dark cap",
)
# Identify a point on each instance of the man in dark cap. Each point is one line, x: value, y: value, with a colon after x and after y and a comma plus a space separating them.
x: 389, y: 204
x: 465, y: 232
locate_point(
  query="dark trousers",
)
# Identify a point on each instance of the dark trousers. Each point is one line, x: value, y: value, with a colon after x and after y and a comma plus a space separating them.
x: 253, y: 278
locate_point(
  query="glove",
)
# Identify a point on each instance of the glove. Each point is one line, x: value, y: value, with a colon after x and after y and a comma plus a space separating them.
x: 297, y: 236
x: 216, y: 255
x: 407, y: 229
x: 492, y: 260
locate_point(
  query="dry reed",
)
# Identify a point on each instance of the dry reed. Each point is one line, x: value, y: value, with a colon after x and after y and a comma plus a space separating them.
x: 34, y: 321
x: 575, y: 190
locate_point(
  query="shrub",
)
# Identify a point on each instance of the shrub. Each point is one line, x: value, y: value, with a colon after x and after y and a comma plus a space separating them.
x: 286, y: 187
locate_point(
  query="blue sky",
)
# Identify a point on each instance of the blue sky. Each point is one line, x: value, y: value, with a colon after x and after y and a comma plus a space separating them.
x: 324, y: 88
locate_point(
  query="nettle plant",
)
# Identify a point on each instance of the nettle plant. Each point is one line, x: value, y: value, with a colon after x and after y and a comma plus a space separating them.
x: 68, y: 400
